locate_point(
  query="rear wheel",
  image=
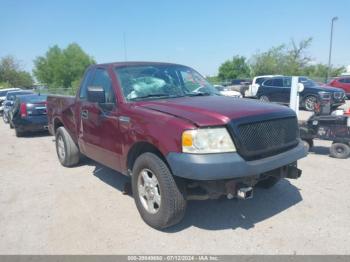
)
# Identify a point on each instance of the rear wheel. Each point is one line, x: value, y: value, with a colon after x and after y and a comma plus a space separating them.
x: 264, y: 98
x: 339, y: 150
x: 310, y: 103
x: 19, y: 133
x: 159, y: 199
x: 4, y: 117
x: 67, y: 151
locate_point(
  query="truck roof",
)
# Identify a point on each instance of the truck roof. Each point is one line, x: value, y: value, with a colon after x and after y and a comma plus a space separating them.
x: 134, y: 63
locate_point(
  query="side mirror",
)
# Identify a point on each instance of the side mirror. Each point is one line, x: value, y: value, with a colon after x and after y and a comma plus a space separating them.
x: 96, y: 94
x: 300, y: 87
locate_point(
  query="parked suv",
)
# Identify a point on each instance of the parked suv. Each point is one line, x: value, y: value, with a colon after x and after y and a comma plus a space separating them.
x: 165, y: 126
x: 277, y: 89
x: 342, y: 82
x: 29, y: 114
x: 254, y: 86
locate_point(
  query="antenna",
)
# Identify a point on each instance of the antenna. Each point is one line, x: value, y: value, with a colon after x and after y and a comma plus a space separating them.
x: 125, y: 53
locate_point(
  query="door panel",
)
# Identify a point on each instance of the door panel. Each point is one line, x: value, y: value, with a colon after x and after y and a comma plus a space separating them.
x: 100, y: 132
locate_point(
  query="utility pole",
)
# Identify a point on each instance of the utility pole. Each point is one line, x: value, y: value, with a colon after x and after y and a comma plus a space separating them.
x: 330, y: 48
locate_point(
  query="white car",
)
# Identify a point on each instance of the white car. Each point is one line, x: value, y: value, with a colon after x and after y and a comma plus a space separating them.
x: 254, y: 87
x: 227, y: 92
x: 3, y: 93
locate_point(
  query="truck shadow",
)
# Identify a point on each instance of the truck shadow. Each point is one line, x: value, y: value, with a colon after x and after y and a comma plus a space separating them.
x: 221, y: 214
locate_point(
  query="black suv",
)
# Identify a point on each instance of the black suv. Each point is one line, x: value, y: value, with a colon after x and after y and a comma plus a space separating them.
x: 277, y: 89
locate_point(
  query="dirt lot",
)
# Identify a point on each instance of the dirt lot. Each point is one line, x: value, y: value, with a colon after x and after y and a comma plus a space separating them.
x: 48, y: 209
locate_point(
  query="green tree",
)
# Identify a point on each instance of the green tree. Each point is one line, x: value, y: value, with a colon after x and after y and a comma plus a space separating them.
x: 284, y: 59
x: 235, y: 68
x: 11, y: 74
x: 62, y: 68
x: 269, y: 62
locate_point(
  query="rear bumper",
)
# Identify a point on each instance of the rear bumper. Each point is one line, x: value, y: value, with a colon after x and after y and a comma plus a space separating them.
x: 31, y: 124
x: 229, y: 165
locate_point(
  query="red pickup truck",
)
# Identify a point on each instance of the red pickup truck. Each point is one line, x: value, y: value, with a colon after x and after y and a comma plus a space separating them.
x: 168, y: 128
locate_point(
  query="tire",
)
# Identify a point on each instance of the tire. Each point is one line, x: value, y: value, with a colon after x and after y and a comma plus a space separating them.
x: 268, y: 182
x: 264, y: 99
x: 6, y: 121
x: 67, y: 151
x: 19, y: 133
x: 310, y: 102
x: 170, y: 193
x: 339, y: 150
x: 11, y: 126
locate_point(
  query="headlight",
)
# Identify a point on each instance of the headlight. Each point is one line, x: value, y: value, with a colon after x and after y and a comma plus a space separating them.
x: 207, y: 140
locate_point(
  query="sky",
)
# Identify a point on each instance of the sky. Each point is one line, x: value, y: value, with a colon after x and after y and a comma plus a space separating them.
x: 198, y: 33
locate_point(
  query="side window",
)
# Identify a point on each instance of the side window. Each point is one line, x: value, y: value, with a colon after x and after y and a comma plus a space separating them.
x: 342, y: 80
x: 85, y: 84
x: 347, y: 80
x: 278, y: 82
x: 260, y: 80
x: 268, y: 82
x: 103, y: 80
x: 287, y: 82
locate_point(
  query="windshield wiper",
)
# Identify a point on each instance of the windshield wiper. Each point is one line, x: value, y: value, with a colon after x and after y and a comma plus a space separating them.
x: 199, y: 94
x: 151, y: 96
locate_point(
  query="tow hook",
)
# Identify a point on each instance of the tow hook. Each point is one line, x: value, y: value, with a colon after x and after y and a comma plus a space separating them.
x: 293, y: 172
x: 245, y: 193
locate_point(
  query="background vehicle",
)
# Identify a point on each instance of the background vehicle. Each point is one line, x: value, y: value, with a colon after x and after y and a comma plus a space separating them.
x: 3, y: 93
x: 226, y: 92
x: 277, y: 89
x: 254, y: 86
x: 342, y: 82
x: 29, y: 114
x: 150, y: 121
x: 9, y: 102
x: 239, y: 85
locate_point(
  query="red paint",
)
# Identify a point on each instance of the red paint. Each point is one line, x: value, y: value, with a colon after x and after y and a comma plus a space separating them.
x: 158, y: 122
x: 341, y: 82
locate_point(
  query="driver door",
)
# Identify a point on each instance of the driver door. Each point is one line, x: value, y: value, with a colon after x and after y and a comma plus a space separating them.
x: 99, y: 129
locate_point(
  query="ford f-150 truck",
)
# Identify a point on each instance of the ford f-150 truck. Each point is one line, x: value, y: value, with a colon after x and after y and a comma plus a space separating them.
x: 168, y: 128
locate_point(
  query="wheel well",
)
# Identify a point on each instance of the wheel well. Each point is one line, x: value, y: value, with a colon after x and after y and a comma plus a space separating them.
x: 140, y: 148
x: 56, y: 124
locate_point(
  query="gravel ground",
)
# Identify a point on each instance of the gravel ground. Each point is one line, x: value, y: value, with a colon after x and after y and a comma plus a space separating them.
x: 48, y: 209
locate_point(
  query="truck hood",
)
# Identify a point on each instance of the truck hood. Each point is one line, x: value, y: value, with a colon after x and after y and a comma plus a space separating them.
x: 327, y: 88
x: 214, y: 110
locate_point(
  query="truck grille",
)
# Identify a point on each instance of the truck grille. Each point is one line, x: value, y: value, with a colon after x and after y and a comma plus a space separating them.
x: 265, y: 138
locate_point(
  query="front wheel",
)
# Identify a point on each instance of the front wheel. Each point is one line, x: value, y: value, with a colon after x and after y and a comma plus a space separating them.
x: 67, y: 151
x: 339, y: 150
x: 160, y: 200
x: 310, y: 103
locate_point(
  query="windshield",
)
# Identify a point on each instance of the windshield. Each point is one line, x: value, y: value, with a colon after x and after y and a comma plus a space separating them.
x: 12, y: 95
x: 161, y: 81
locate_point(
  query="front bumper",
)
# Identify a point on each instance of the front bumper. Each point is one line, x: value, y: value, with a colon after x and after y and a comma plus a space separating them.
x: 229, y: 165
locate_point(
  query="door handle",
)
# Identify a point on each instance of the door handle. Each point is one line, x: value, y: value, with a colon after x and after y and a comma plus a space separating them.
x: 84, y: 114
